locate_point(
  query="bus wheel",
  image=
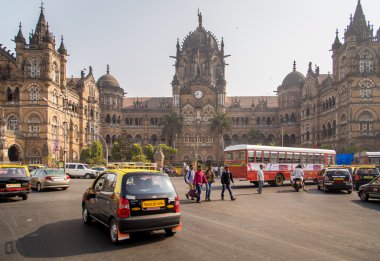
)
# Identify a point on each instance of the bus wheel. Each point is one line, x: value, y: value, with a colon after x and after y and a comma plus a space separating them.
x: 278, y: 180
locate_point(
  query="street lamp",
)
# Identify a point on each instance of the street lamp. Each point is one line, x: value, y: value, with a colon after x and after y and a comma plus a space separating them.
x: 64, y: 107
x: 101, y: 137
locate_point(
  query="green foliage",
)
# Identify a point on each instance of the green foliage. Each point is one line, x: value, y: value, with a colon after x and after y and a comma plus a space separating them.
x: 136, y: 150
x: 326, y: 147
x: 171, y: 126
x: 116, y: 152
x: 139, y: 158
x: 93, y: 154
x: 85, y: 154
x: 168, y: 151
x: 220, y: 123
x: 149, y: 151
x: 255, y: 136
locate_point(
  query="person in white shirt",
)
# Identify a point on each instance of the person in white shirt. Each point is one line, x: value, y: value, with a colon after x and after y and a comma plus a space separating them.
x: 260, y: 178
x: 298, y: 174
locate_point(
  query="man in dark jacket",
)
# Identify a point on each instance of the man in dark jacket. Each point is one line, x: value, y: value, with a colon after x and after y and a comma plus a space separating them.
x: 226, y: 180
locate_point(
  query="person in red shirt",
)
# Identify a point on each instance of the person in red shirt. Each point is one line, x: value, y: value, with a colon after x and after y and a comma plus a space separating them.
x: 199, y: 180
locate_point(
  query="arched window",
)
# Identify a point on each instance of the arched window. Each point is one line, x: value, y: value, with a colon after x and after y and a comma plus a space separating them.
x: 343, y: 69
x: 324, y: 132
x: 258, y: 121
x: 108, y: 118
x: 54, y: 127
x: 366, y: 61
x: 34, y: 92
x: 154, y: 139
x: 55, y: 98
x: 138, y: 139
x: 16, y: 95
x: 329, y: 130
x: 35, y: 67
x: 13, y: 123
x: 114, y: 138
x: 108, y: 139
x: 34, y: 122
x: 118, y: 119
x: 366, y: 123
x: 55, y: 73
x: 198, y: 138
x: 268, y: 121
x: 187, y: 138
x: 308, y: 135
x: 9, y: 94
x: 235, y: 139
x: 227, y: 140
x: 209, y: 139
x: 293, y: 117
x: 34, y: 157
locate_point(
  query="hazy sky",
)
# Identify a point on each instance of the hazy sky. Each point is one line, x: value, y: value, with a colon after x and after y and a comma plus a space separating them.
x: 136, y: 37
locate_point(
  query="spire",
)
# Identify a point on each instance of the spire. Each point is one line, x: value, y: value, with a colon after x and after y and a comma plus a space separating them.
x: 41, y: 27
x: 62, y: 50
x: 178, y: 48
x: 20, y: 37
x: 294, y: 66
x: 199, y: 19
x: 47, y: 37
x: 222, y: 46
x: 337, y: 44
x: 358, y: 25
x: 108, y: 69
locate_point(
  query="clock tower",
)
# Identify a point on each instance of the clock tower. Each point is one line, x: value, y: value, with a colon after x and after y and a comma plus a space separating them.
x: 199, y: 90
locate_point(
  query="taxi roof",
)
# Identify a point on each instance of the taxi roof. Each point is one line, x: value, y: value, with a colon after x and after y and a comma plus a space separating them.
x: 128, y: 171
x: 12, y: 166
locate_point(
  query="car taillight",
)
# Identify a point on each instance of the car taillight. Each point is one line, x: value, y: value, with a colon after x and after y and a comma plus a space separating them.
x: 67, y: 177
x: 48, y: 178
x: 176, y: 205
x: 123, y: 210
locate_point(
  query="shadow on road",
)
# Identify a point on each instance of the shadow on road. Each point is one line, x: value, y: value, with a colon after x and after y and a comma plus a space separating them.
x: 330, y: 192
x: 10, y: 200
x: 371, y: 204
x: 72, y: 237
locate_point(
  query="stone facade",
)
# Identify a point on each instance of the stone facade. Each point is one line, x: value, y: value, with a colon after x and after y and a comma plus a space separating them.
x: 336, y: 110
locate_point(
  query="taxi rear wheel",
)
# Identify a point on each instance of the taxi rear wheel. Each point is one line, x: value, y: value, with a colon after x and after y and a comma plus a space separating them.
x: 363, y: 196
x: 169, y: 232
x: 86, y: 216
x: 39, y: 187
x: 24, y: 197
x: 114, y: 229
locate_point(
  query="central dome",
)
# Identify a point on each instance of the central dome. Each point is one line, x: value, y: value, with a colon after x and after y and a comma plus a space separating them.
x: 107, y: 80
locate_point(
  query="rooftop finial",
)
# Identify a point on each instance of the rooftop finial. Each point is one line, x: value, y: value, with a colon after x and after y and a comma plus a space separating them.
x: 108, y: 69
x: 337, y: 32
x: 42, y: 6
x: 294, y: 65
x: 20, y: 26
x: 199, y: 18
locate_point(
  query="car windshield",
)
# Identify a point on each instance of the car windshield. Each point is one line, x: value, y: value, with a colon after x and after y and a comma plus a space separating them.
x: 337, y: 173
x: 147, y: 183
x: 12, y: 172
x: 54, y: 172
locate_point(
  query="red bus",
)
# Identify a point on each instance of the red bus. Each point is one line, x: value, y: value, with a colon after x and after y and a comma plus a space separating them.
x: 279, y: 162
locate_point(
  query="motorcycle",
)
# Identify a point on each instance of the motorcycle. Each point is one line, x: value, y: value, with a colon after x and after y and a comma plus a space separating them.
x: 297, y: 184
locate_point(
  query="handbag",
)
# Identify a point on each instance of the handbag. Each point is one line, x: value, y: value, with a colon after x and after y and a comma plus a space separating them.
x: 193, y: 193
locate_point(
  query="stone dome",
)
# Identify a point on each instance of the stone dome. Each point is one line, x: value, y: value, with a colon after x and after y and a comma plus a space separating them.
x: 200, y: 39
x: 107, y: 80
x: 293, y: 79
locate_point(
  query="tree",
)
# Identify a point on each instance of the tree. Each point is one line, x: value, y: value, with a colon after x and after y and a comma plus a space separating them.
x: 136, y: 150
x: 115, y: 152
x: 171, y: 126
x: 149, y: 151
x: 219, y: 124
x: 255, y: 136
x: 94, y: 154
x: 168, y: 151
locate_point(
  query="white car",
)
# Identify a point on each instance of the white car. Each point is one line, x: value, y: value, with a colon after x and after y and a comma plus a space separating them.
x: 80, y: 170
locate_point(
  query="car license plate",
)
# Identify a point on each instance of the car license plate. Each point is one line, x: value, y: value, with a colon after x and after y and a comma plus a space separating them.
x: 368, y: 177
x: 338, y: 178
x: 153, y: 203
x: 17, y: 185
x: 59, y: 179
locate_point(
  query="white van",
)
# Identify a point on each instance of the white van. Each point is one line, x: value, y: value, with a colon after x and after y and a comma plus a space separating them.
x: 80, y: 170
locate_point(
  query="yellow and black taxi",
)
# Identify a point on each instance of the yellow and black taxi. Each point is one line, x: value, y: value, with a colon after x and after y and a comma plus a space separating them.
x: 14, y: 181
x: 335, y: 179
x: 370, y: 190
x: 363, y: 174
x: 132, y: 200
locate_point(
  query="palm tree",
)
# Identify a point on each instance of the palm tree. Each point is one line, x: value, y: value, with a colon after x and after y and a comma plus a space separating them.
x: 219, y: 124
x: 255, y: 136
x: 171, y: 126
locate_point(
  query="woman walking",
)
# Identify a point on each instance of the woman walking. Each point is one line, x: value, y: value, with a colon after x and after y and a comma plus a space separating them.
x: 210, y: 176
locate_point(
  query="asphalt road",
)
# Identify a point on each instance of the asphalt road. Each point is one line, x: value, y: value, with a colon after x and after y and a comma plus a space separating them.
x: 279, y: 224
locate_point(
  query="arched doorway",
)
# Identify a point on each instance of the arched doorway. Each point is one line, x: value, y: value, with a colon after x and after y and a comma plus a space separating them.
x: 14, y: 153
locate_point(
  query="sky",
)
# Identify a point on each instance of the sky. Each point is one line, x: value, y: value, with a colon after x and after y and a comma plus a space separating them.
x: 136, y: 38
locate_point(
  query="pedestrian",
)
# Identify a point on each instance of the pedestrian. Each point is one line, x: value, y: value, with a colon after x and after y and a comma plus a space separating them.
x: 260, y: 178
x: 210, y: 176
x: 226, y: 180
x: 199, y: 180
x: 189, y: 179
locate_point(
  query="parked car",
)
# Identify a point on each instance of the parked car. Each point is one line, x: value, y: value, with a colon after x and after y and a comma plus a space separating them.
x: 14, y: 181
x: 47, y: 178
x: 132, y: 200
x: 364, y: 174
x: 335, y: 179
x: 80, y: 170
x: 370, y: 190
x: 99, y: 170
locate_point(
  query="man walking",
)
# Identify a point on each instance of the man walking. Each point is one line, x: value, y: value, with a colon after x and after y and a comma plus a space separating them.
x: 260, y: 178
x: 226, y: 180
x: 199, y: 179
x: 189, y: 179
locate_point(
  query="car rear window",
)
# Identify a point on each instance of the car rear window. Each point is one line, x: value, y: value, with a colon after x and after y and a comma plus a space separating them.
x: 147, y: 183
x: 367, y: 171
x: 337, y: 173
x: 12, y: 172
x: 54, y: 172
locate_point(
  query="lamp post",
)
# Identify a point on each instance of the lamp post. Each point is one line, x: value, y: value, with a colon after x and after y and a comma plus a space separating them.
x: 101, y: 137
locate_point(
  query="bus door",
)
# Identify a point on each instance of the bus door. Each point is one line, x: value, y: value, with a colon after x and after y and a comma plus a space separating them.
x: 238, y: 165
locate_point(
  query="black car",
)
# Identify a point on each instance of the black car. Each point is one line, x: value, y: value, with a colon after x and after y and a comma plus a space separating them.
x: 370, y: 190
x: 14, y: 181
x: 363, y: 175
x: 335, y: 179
x: 131, y: 200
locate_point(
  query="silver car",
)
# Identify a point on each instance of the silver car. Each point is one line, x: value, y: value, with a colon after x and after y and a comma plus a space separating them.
x: 47, y: 178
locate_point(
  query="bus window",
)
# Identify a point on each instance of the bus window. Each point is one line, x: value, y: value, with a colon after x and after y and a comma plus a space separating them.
x: 258, y: 156
x: 274, y: 157
x: 281, y: 157
x: 229, y: 156
x: 303, y: 158
x: 317, y: 158
x: 310, y: 158
x: 289, y: 157
x: 330, y: 160
x: 297, y: 157
x: 251, y: 156
x: 266, y: 156
x: 239, y: 155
